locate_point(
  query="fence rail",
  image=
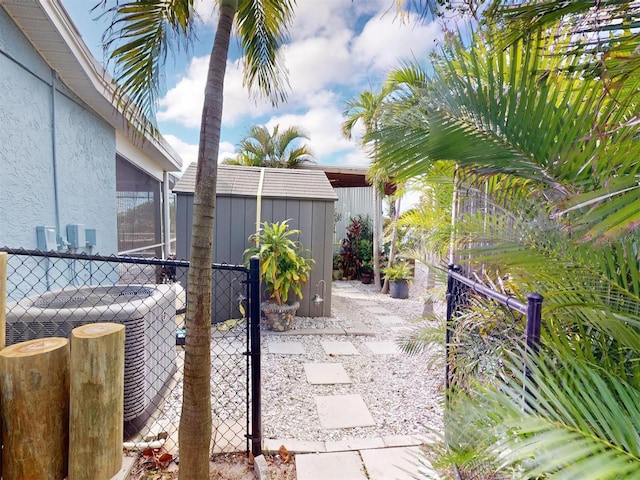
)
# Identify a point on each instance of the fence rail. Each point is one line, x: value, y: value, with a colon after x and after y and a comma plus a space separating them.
x: 50, y: 293
x: 464, y: 333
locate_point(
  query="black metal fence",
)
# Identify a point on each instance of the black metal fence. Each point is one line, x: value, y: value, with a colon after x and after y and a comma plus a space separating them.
x: 49, y: 294
x: 483, y: 327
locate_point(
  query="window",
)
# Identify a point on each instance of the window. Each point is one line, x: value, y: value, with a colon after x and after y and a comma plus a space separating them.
x: 139, y: 208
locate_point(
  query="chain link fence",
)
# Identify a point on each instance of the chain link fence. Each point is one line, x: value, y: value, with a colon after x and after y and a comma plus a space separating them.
x: 483, y: 327
x: 49, y: 294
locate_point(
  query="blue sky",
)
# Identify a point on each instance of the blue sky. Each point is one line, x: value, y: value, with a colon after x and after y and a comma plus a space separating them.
x: 336, y: 49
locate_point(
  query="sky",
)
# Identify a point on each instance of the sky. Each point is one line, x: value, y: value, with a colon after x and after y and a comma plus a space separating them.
x: 335, y: 50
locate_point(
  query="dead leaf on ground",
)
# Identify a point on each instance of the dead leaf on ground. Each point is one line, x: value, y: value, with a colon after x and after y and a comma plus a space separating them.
x: 284, y: 454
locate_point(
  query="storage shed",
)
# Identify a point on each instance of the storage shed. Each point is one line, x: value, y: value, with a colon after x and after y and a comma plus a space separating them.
x: 248, y: 196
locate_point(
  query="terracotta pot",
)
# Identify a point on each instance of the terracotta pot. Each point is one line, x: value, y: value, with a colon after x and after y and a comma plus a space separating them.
x: 279, y: 317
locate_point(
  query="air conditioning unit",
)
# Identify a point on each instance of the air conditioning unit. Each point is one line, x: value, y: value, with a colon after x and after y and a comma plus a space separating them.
x: 148, y: 314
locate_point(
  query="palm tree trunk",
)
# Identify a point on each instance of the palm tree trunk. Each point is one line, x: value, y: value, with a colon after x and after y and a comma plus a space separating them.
x: 376, y: 236
x: 195, y: 429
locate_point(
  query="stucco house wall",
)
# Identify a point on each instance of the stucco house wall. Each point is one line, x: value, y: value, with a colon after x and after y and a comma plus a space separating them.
x: 48, y: 135
x: 61, y: 134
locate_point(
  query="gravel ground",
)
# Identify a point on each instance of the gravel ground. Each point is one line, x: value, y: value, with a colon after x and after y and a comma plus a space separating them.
x: 403, y: 392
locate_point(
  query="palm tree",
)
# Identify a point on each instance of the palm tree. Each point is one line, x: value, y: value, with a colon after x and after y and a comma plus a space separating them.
x: 260, y: 148
x: 370, y: 109
x: 140, y: 36
x: 366, y: 109
x: 560, y: 150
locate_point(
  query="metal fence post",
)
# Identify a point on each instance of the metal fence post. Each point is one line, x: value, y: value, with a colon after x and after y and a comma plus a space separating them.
x: 3, y: 297
x: 256, y: 385
x: 451, y: 306
x: 532, y: 336
x: 534, y: 318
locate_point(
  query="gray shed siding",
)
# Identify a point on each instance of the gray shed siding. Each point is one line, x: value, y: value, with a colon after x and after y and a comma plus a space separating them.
x: 236, y: 220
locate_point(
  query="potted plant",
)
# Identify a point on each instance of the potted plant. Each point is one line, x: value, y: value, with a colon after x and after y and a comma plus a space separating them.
x: 283, y: 269
x: 366, y: 261
x: 337, y: 266
x: 399, y: 275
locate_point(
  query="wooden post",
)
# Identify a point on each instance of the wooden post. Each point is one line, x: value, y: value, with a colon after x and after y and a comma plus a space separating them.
x: 35, y: 409
x: 97, y: 401
x: 3, y: 298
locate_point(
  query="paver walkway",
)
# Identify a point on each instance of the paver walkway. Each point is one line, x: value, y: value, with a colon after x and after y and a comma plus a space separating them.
x: 386, y: 458
x: 399, y: 463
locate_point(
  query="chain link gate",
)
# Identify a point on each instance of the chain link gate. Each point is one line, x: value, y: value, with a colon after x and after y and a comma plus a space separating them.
x: 50, y: 293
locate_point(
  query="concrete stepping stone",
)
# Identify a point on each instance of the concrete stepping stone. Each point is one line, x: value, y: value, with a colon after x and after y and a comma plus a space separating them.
x: 343, y: 411
x: 378, y: 310
x: 383, y: 348
x: 325, y: 466
x: 286, y: 348
x: 405, y: 463
x: 362, y: 303
x: 390, y: 319
x: 339, y: 348
x: 343, y: 286
x: 359, y: 328
x: 326, y: 373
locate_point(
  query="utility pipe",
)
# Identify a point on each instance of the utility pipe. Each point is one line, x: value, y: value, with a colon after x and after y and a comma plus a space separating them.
x: 56, y: 198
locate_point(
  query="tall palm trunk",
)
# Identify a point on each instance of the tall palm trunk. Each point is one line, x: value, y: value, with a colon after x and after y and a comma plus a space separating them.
x: 376, y: 236
x: 195, y: 421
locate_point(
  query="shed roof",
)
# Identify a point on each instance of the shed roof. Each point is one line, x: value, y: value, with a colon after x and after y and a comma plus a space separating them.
x: 346, y: 177
x: 277, y: 182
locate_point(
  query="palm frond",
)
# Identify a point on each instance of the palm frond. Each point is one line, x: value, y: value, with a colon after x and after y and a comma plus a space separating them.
x: 140, y: 36
x: 262, y: 26
x: 574, y: 421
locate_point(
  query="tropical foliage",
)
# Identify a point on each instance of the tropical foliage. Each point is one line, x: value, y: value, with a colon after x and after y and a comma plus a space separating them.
x: 368, y: 110
x: 261, y: 148
x: 283, y: 266
x: 545, y: 144
x: 398, y: 271
x: 356, y: 249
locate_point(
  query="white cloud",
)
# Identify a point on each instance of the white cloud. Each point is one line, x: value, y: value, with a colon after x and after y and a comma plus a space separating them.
x: 323, y: 127
x: 227, y: 150
x: 327, y: 61
x: 384, y: 43
x: 354, y: 158
x: 314, y: 63
x: 206, y: 10
x: 183, y: 103
x: 188, y: 152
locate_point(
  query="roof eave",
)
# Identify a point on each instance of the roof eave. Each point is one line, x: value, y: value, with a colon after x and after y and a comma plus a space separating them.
x: 67, y: 54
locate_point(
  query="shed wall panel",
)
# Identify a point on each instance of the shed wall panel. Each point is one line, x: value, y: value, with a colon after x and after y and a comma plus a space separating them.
x: 236, y: 221
x: 223, y: 228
